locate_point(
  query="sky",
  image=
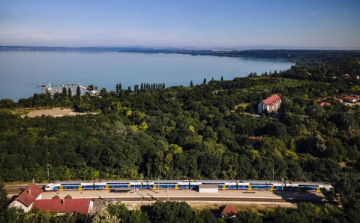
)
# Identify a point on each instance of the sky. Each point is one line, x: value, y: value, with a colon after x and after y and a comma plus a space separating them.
x: 181, y: 23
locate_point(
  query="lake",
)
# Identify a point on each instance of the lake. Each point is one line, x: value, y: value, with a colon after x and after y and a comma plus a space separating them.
x: 22, y: 72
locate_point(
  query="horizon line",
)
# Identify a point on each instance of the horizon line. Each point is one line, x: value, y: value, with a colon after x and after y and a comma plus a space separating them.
x: 198, y: 47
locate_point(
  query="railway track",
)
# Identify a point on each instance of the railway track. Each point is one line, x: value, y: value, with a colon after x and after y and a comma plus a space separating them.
x: 16, y: 189
x: 228, y: 199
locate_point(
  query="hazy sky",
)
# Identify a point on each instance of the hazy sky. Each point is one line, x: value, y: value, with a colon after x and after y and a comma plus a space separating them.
x: 178, y: 23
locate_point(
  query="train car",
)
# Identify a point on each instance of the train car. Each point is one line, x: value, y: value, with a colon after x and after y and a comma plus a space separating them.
x: 165, y: 184
x: 308, y: 186
x: 114, y: 184
x: 70, y: 185
x: 260, y: 185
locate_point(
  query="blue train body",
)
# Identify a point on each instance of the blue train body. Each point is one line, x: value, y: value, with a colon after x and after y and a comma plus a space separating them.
x: 192, y: 185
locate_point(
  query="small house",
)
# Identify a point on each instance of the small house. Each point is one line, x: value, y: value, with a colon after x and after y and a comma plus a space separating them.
x: 270, y: 104
x: 26, y: 198
x: 228, y: 211
x: 349, y: 99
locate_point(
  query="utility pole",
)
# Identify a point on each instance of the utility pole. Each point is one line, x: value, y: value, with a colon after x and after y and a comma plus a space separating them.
x: 273, y: 173
x: 48, y: 173
x: 142, y: 198
x: 159, y: 177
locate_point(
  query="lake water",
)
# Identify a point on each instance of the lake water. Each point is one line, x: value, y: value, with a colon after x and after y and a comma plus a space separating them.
x: 22, y: 72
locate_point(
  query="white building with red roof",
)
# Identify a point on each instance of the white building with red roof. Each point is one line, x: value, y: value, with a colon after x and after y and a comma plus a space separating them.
x: 351, y: 99
x: 26, y: 199
x: 270, y: 104
x: 61, y: 206
x: 229, y: 211
x: 31, y: 198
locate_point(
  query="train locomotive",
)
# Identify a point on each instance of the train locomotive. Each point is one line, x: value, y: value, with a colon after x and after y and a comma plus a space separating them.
x: 189, y: 184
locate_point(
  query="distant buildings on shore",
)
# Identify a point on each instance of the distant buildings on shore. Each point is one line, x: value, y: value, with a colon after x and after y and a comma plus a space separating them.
x: 351, y: 98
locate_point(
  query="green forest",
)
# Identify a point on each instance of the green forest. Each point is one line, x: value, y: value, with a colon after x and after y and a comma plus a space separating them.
x: 207, y: 131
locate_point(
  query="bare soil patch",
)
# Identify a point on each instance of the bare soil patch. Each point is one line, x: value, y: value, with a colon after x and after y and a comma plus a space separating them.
x: 55, y: 112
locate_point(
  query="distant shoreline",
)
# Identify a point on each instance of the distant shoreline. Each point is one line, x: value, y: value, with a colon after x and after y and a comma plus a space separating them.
x: 166, y: 49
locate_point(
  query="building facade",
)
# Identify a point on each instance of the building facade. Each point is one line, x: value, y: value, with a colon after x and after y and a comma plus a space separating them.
x: 270, y: 104
x: 61, y: 206
x: 26, y: 198
x: 208, y: 188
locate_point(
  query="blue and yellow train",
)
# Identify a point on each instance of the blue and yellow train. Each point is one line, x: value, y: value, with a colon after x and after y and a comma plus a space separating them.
x: 189, y: 184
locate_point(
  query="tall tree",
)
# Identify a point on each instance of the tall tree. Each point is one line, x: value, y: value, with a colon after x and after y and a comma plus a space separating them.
x: 103, y: 92
x: 120, y: 88
x: 117, y: 88
x: 64, y: 92
x: 78, y: 91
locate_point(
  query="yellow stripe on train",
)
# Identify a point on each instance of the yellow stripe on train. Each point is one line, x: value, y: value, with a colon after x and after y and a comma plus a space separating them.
x: 318, y: 189
x: 224, y: 187
x: 154, y: 186
x: 249, y: 187
x: 80, y: 187
x: 176, y: 187
x: 271, y: 188
x: 61, y: 188
x: 106, y: 187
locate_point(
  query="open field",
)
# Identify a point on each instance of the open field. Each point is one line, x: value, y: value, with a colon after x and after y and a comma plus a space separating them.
x: 54, y: 112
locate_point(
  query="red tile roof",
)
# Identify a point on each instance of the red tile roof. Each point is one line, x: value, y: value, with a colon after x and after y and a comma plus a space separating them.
x: 63, y: 205
x: 355, y: 96
x: 325, y: 104
x: 272, y: 99
x: 29, y: 195
x: 349, y: 98
x: 229, y: 210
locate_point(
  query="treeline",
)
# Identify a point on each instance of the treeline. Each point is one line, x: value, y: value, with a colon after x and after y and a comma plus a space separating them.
x: 172, y: 212
x: 304, y: 58
x: 143, y: 87
x: 176, y: 212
